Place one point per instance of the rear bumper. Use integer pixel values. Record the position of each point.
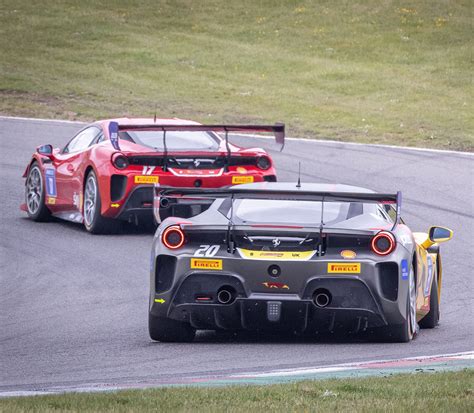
(139, 203)
(137, 200)
(354, 305)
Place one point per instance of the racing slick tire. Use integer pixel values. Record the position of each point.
(35, 195)
(405, 332)
(168, 330)
(94, 222)
(431, 320)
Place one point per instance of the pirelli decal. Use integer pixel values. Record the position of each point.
(141, 179)
(343, 268)
(204, 264)
(242, 179)
(276, 255)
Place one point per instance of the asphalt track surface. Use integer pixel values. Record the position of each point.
(73, 306)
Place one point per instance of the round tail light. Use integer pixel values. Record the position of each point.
(173, 237)
(383, 243)
(264, 162)
(120, 161)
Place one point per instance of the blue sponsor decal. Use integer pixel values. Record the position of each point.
(50, 175)
(405, 270)
(430, 276)
(113, 134)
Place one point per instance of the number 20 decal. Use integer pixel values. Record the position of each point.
(207, 250)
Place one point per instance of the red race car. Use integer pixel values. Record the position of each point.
(106, 173)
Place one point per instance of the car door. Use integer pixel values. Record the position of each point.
(66, 165)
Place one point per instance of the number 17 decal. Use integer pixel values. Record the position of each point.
(207, 250)
(148, 170)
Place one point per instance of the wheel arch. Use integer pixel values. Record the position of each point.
(33, 159)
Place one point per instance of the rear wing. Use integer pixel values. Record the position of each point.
(277, 129)
(280, 194)
(289, 195)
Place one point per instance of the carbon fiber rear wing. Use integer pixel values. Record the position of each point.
(289, 195)
(280, 194)
(277, 129)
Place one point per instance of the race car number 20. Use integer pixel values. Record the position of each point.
(207, 250)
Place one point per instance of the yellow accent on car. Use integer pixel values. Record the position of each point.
(140, 179)
(160, 300)
(205, 264)
(343, 268)
(276, 255)
(242, 179)
(51, 201)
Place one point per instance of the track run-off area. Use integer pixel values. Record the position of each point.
(73, 306)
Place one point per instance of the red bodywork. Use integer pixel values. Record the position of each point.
(71, 171)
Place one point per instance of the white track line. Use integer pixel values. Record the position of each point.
(40, 119)
(325, 141)
(235, 378)
(468, 355)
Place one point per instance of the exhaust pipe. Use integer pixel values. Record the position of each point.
(322, 298)
(226, 295)
(164, 203)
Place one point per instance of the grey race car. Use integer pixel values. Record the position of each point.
(300, 258)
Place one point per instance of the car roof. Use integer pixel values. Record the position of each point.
(319, 187)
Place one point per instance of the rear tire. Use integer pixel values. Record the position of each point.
(35, 195)
(431, 320)
(169, 330)
(94, 222)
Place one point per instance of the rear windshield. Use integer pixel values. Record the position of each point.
(308, 213)
(175, 141)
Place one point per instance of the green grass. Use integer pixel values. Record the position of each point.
(379, 71)
(421, 392)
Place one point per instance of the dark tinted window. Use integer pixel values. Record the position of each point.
(82, 140)
(175, 141)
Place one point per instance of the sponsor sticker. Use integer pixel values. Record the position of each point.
(50, 177)
(348, 254)
(405, 271)
(343, 268)
(203, 264)
(51, 201)
(242, 179)
(140, 179)
(275, 285)
(276, 255)
(241, 170)
(77, 200)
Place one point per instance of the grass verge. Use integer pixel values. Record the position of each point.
(380, 71)
(435, 392)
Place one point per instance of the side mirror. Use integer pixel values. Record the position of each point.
(45, 150)
(440, 234)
